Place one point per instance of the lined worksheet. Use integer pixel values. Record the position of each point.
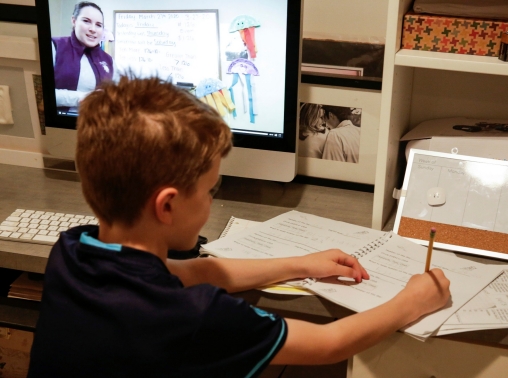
(389, 258)
(293, 234)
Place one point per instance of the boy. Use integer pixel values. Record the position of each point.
(115, 306)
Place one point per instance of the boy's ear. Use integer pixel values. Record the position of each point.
(164, 204)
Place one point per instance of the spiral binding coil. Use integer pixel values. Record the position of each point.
(371, 246)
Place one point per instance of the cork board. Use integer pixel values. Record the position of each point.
(465, 198)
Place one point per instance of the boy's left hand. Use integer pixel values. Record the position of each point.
(334, 262)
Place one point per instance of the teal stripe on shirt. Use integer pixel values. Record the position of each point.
(270, 353)
(89, 240)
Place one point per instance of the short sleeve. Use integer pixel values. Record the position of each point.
(234, 339)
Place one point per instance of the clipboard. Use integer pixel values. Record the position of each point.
(465, 198)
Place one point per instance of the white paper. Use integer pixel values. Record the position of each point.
(292, 234)
(390, 267)
(487, 310)
(389, 258)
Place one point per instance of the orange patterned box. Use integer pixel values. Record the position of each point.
(452, 34)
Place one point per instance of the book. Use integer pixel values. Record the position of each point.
(389, 258)
(27, 286)
(235, 225)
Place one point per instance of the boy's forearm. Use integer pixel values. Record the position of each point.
(236, 275)
(309, 344)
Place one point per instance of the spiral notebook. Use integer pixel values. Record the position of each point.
(389, 258)
(235, 225)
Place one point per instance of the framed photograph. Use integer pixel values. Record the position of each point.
(338, 133)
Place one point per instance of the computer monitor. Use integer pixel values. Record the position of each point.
(243, 58)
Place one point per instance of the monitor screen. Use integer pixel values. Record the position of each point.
(242, 58)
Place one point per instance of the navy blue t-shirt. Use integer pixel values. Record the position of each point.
(112, 311)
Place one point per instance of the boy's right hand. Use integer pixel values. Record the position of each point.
(427, 292)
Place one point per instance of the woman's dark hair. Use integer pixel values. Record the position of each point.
(84, 4)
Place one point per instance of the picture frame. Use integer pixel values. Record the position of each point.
(369, 101)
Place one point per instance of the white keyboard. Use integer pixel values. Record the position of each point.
(41, 227)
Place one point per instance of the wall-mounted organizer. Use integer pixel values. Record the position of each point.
(463, 197)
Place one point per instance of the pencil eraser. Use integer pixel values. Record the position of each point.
(436, 196)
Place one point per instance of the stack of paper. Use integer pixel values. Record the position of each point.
(26, 287)
(487, 310)
(389, 258)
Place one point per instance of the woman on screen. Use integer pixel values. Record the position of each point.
(79, 62)
(312, 132)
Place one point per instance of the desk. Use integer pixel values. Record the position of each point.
(258, 200)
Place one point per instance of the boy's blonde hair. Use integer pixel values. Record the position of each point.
(139, 135)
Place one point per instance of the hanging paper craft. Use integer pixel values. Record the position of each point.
(242, 70)
(236, 48)
(245, 25)
(214, 93)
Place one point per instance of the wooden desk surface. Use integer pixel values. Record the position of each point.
(38, 189)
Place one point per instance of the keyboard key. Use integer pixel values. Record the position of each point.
(13, 219)
(5, 234)
(54, 223)
(26, 236)
(43, 232)
(15, 235)
(45, 238)
(35, 221)
(45, 216)
(43, 222)
(32, 231)
(23, 224)
(54, 218)
(23, 230)
(6, 223)
(59, 214)
(53, 233)
(53, 228)
(8, 228)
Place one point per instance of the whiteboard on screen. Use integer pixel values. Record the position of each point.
(180, 46)
(465, 198)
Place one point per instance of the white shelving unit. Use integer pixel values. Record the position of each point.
(421, 85)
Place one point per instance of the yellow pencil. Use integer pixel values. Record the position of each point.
(429, 251)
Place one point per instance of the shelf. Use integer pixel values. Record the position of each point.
(451, 62)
